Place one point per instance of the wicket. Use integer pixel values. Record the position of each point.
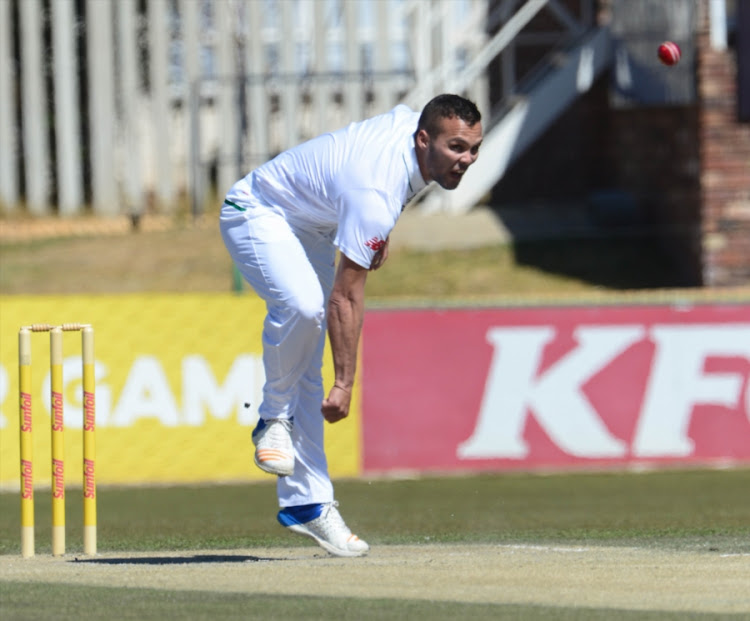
(57, 431)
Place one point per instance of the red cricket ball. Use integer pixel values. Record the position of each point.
(669, 53)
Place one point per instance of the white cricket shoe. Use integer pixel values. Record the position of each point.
(324, 523)
(274, 452)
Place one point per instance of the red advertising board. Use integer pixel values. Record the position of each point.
(493, 389)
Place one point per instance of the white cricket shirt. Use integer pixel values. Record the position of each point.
(353, 182)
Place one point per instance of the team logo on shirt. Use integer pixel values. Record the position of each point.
(375, 244)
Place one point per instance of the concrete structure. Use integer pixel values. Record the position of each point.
(175, 100)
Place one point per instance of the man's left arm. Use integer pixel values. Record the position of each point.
(346, 309)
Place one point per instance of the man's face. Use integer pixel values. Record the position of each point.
(448, 155)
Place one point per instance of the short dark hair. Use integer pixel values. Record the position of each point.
(447, 106)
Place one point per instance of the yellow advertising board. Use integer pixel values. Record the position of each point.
(178, 384)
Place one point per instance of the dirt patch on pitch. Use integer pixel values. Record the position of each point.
(624, 578)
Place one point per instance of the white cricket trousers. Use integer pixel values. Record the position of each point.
(293, 272)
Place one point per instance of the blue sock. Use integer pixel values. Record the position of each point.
(260, 426)
(299, 514)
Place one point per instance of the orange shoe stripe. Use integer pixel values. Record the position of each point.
(271, 454)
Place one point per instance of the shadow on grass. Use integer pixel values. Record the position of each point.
(608, 240)
(178, 560)
(613, 262)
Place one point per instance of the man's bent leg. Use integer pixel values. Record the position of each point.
(274, 262)
(311, 483)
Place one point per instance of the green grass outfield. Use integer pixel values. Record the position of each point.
(706, 511)
(702, 512)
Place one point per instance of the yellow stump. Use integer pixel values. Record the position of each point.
(58, 445)
(89, 442)
(26, 440)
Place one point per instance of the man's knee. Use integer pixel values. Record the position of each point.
(310, 311)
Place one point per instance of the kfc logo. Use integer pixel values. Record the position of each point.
(677, 382)
(556, 387)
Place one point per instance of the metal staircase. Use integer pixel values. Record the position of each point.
(524, 118)
(576, 56)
